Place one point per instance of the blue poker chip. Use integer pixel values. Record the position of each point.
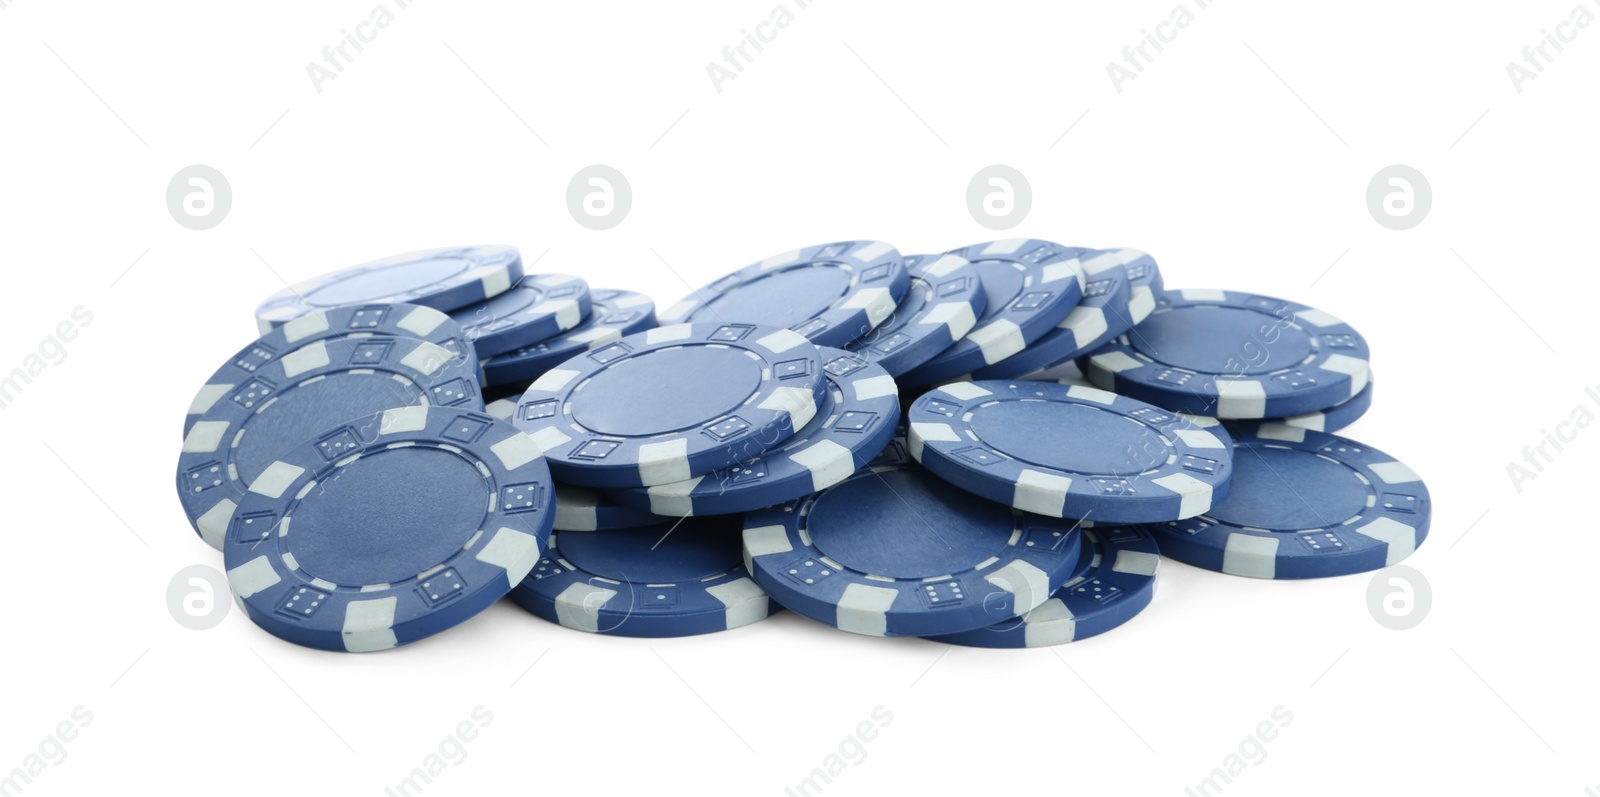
(1069, 451)
(1305, 504)
(389, 528)
(1145, 284)
(1331, 419)
(1029, 287)
(585, 509)
(672, 579)
(612, 315)
(830, 293)
(1102, 315)
(941, 307)
(538, 307)
(297, 396)
(854, 422)
(1115, 580)
(893, 551)
(364, 320)
(1234, 355)
(672, 403)
(444, 279)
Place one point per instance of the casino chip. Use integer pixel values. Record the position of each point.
(538, 307)
(1029, 286)
(831, 293)
(672, 403)
(364, 320)
(1329, 420)
(1305, 504)
(940, 309)
(389, 528)
(1114, 581)
(1234, 355)
(583, 509)
(1144, 279)
(612, 315)
(1102, 315)
(893, 551)
(854, 422)
(672, 579)
(1069, 451)
(444, 279)
(297, 396)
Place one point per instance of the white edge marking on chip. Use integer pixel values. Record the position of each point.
(957, 317)
(1041, 493)
(1395, 472)
(781, 259)
(422, 321)
(566, 312)
(369, 625)
(924, 432)
(597, 336)
(1141, 303)
(549, 438)
(1056, 272)
(878, 303)
(495, 279)
(502, 408)
(872, 251)
(573, 516)
(1241, 398)
(1004, 247)
(1199, 438)
(665, 462)
(680, 309)
(669, 333)
(298, 329)
(746, 602)
(630, 300)
(799, 403)
(553, 381)
(309, 357)
(764, 541)
(213, 525)
(1250, 556)
(403, 419)
(514, 551)
(204, 436)
(1050, 623)
(997, 340)
(427, 358)
(1115, 362)
(828, 462)
(207, 397)
(1400, 539)
(517, 450)
(1195, 495)
(1317, 318)
(864, 609)
(1203, 295)
(1028, 583)
(782, 341)
(1138, 563)
(1094, 394)
(1085, 323)
(965, 391)
(1354, 367)
(943, 265)
(875, 387)
(275, 479)
(674, 499)
(1278, 431)
(578, 606)
(253, 576)
(1100, 263)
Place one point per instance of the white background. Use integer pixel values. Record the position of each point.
(1240, 158)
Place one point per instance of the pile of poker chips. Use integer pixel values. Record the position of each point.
(992, 447)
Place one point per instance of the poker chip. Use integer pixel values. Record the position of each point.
(892, 551)
(584, 509)
(363, 320)
(443, 279)
(297, 396)
(538, 307)
(1029, 287)
(941, 307)
(830, 293)
(1102, 315)
(672, 403)
(612, 315)
(1115, 580)
(1305, 504)
(1144, 281)
(381, 531)
(1069, 451)
(1234, 355)
(672, 579)
(854, 421)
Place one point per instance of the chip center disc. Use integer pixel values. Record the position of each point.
(388, 516)
(653, 555)
(1221, 340)
(907, 524)
(382, 282)
(1002, 283)
(1282, 489)
(667, 390)
(781, 299)
(1076, 438)
(302, 413)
